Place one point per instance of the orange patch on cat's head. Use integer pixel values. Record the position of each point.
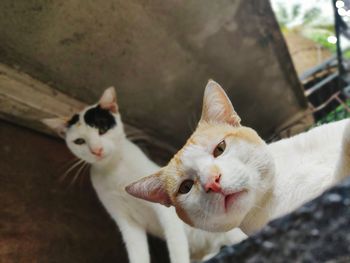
(170, 185)
(176, 160)
(208, 132)
(246, 134)
(175, 164)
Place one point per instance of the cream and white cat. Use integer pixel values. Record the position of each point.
(96, 135)
(226, 176)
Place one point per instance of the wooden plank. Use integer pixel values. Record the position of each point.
(25, 101)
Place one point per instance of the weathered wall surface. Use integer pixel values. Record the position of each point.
(159, 55)
(45, 220)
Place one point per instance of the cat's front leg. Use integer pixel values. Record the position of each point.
(135, 239)
(175, 235)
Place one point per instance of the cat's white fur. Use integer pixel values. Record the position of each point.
(121, 163)
(258, 182)
(305, 166)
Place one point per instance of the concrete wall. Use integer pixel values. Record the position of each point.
(159, 55)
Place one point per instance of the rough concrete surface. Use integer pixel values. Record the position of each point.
(159, 55)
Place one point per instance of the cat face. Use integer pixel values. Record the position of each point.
(92, 134)
(219, 175)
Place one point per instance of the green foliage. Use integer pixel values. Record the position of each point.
(338, 114)
(282, 16)
(322, 39)
(346, 54)
(307, 23)
(286, 17)
(295, 11)
(311, 15)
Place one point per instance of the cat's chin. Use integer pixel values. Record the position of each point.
(219, 224)
(233, 208)
(95, 160)
(103, 160)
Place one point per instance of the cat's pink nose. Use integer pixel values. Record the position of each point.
(213, 184)
(97, 151)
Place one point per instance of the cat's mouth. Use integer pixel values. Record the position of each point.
(97, 159)
(232, 197)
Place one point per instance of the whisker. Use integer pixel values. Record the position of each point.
(70, 161)
(70, 169)
(85, 169)
(66, 164)
(76, 176)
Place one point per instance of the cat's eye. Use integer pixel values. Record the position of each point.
(102, 131)
(219, 149)
(185, 186)
(79, 141)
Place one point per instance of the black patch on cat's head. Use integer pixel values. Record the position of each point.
(73, 120)
(100, 118)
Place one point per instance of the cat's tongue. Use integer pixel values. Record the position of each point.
(231, 198)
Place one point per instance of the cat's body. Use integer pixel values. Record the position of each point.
(304, 167)
(226, 176)
(320, 148)
(96, 135)
(135, 218)
(109, 184)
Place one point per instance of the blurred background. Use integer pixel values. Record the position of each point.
(284, 65)
(317, 35)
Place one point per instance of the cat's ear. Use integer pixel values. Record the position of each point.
(108, 100)
(59, 125)
(150, 188)
(217, 107)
